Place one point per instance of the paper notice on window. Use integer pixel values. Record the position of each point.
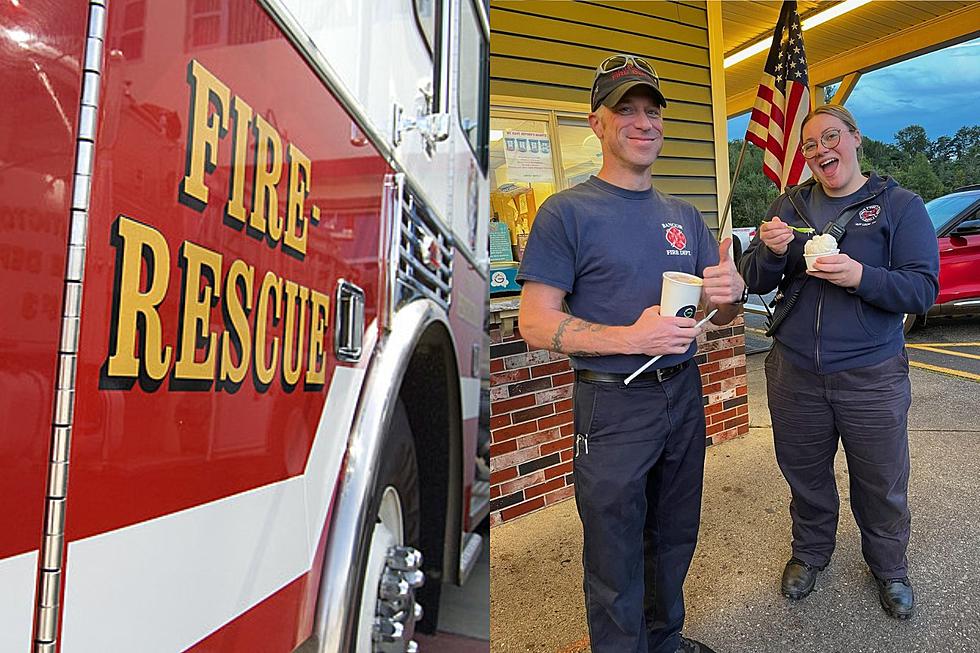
(528, 156)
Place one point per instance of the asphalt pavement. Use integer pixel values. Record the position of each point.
(732, 594)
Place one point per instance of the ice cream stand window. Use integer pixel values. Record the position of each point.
(523, 161)
(522, 175)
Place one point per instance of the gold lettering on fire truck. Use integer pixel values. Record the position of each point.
(232, 319)
(237, 306)
(298, 184)
(235, 209)
(205, 129)
(265, 368)
(197, 300)
(292, 345)
(213, 108)
(316, 369)
(268, 170)
(139, 249)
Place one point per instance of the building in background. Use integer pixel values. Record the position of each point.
(543, 58)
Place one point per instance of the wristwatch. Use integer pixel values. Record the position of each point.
(744, 298)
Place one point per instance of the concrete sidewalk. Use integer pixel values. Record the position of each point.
(464, 616)
(732, 593)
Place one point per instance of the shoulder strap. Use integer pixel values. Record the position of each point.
(783, 308)
(838, 228)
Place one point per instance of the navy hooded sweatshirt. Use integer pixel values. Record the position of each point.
(830, 328)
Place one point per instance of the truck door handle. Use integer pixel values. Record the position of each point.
(349, 322)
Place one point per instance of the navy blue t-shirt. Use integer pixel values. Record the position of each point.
(607, 248)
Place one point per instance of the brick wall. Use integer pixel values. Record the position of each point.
(531, 428)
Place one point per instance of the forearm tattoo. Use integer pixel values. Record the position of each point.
(578, 326)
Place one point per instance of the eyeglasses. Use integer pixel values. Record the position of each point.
(828, 139)
(618, 61)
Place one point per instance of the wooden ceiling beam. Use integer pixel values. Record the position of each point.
(846, 87)
(943, 31)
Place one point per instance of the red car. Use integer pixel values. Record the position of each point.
(956, 218)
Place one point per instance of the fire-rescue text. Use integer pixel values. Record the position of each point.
(268, 324)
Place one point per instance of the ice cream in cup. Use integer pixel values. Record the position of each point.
(822, 245)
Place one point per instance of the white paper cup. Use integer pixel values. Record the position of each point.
(680, 295)
(812, 258)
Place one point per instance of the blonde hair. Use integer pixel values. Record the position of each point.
(839, 112)
(836, 111)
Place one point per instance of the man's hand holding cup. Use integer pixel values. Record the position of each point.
(670, 328)
(658, 333)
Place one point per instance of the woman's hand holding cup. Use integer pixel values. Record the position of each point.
(776, 235)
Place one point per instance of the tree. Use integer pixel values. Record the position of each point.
(919, 177)
(966, 167)
(883, 158)
(967, 139)
(929, 168)
(942, 149)
(753, 192)
(912, 140)
(956, 159)
(829, 92)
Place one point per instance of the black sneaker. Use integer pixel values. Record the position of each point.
(692, 646)
(896, 597)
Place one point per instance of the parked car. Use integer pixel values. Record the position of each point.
(956, 218)
(741, 237)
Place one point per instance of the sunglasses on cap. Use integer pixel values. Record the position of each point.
(618, 61)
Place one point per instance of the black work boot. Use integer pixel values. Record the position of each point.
(798, 579)
(896, 596)
(692, 646)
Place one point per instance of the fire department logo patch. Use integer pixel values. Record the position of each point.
(675, 236)
(870, 213)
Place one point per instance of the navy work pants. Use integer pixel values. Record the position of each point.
(867, 410)
(639, 469)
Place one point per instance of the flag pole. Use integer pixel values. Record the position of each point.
(731, 192)
(779, 109)
(728, 205)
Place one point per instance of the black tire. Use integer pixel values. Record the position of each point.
(398, 470)
(911, 321)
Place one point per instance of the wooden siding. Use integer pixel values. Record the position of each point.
(548, 50)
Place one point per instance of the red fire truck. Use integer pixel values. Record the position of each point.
(244, 271)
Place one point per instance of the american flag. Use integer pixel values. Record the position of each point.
(782, 103)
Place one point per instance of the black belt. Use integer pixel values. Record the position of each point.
(659, 376)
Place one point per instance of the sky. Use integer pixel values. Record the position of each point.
(939, 90)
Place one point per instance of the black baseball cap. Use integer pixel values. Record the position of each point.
(618, 74)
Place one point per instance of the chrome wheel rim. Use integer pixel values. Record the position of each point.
(388, 609)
